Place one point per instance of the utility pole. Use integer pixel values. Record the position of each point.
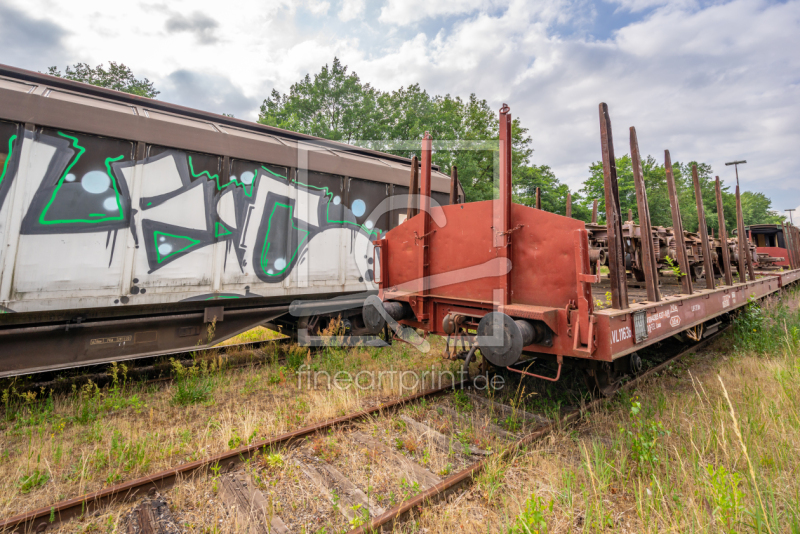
(736, 166)
(790, 215)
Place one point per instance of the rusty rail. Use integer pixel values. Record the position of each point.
(40, 519)
(402, 511)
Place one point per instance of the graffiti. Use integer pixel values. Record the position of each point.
(82, 190)
(9, 157)
(173, 225)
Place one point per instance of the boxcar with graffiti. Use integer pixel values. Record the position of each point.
(128, 224)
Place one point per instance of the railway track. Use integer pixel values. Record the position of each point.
(150, 370)
(351, 465)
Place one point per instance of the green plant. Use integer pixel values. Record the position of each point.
(675, 267)
(193, 384)
(409, 488)
(361, 516)
(643, 436)
(275, 461)
(462, 401)
(36, 479)
(532, 518)
(726, 497)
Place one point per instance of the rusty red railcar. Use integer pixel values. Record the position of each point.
(520, 278)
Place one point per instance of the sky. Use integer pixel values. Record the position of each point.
(710, 81)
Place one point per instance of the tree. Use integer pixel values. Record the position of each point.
(118, 77)
(335, 104)
(757, 209)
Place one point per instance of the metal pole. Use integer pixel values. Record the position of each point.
(787, 242)
(723, 237)
(790, 246)
(453, 185)
(708, 263)
(502, 206)
(422, 311)
(538, 199)
(413, 188)
(594, 212)
(677, 227)
(745, 262)
(645, 229)
(616, 253)
(790, 215)
(569, 204)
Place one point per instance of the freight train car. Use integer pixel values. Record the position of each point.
(128, 225)
(515, 282)
(772, 244)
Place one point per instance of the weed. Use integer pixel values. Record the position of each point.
(462, 401)
(36, 479)
(194, 384)
(726, 496)
(643, 436)
(274, 461)
(409, 488)
(361, 516)
(675, 267)
(532, 518)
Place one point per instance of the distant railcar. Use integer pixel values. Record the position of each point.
(128, 225)
(770, 245)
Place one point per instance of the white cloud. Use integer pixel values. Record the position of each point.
(351, 9)
(318, 7)
(403, 12)
(709, 82)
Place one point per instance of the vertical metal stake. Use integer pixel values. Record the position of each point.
(723, 237)
(708, 263)
(645, 228)
(413, 188)
(453, 185)
(616, 253)
(677, 227)
(569, 204)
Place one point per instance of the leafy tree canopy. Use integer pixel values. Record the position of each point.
(336, 104)
(756, 207)
(117, 77)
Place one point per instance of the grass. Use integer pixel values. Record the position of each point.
(59, 445)
(712, 445)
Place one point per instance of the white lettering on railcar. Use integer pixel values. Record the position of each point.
(621, 334)
(726, 301)
(695, 307)
(675, 320)
(108, 340)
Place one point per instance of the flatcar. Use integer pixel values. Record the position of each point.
(515, 282)
(128, 225)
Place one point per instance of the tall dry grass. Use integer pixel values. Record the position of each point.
(712, 445)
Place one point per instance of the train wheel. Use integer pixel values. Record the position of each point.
(635, 363)
(602, 380)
